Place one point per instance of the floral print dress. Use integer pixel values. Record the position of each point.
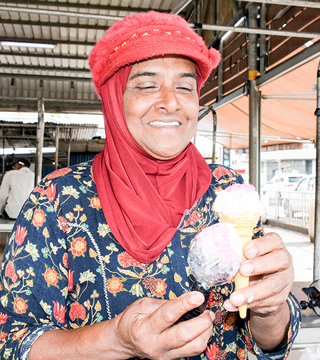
(63, 269)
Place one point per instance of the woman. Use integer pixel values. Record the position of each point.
(96, 265)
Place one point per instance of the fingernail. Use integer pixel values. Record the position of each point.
(196, 298)
(250, 299)
(212, 315)
(251, 251)
(229, 307)
(237, 299)
(246, 269)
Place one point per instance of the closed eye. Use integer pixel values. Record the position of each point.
(146, 87)
(185, 88)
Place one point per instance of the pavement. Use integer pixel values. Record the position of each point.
(302, 252)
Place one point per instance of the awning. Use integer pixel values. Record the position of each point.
(288, 107)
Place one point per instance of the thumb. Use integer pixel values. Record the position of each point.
(171, 311)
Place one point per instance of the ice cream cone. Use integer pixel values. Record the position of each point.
(244, 224)
(239, 205)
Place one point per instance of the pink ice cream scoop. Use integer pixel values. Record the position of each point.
(214, 259)
(215, 255)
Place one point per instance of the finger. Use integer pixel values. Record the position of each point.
(262, 306)
(263, 245)
(271, 303)
(275, 261)
(271, 291)
(189, 337)
(171, 311)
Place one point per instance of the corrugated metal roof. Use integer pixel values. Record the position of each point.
(61, 75)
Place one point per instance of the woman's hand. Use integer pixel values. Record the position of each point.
(145, 328)
(271, 273)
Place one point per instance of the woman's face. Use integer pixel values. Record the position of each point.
(161, 105)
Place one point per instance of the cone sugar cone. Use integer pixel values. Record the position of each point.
(244, 224)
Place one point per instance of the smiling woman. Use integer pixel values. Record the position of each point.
(161, 105)
(109, 239)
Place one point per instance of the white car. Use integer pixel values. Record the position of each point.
(298, 201)
(283, 182)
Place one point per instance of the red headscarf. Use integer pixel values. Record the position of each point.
(143, 199)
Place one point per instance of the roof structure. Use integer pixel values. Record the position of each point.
(288, 106)
(60, 75)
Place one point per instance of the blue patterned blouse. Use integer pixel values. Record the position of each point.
(63, 269)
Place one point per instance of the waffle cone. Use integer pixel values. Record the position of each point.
(244, 224)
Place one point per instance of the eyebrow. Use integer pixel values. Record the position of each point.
(147, 73)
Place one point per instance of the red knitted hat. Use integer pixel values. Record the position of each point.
(146, 35)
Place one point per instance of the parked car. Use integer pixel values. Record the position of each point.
(283, 182)
(297, 202)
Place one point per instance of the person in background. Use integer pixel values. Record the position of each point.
(16, 187)
(96, 266)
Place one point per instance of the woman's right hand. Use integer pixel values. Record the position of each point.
(145, 328)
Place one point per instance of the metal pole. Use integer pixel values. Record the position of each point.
(56, 155)
(183, 4)
(220, 74)
(69, 147)
(254, 120)
(214, 135)
(3, 148)
(263, 41)
(39, 141)
(316, 268)
(308, 3)
(251, 30)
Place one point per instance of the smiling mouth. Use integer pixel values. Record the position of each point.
(163, 124)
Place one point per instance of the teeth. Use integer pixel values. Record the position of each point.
(161, 123)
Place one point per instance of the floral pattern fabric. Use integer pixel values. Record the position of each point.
(63, 269)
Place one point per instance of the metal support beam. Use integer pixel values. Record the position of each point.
(214, 135)
(39, 141)
(3, 158)
(220, 74)
(54, 24)
(181, 6)
(297, 34)
(254, 104)
(46, 77)
(316, 267)
(250, 30)
(69, 147)
(303, 57)
(56, 155)
(299, 3)
(49, 56)
(50, 41)
(61, 13)
(45, 68)
(298, 60)
(263, 40)
(85, 6)
(235, 95)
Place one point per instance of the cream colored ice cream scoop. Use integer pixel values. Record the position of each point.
(239, 204)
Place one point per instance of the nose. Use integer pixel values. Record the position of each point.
(168, 100)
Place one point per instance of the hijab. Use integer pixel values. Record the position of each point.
(143, 199)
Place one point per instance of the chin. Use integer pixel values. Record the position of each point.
(166, 155)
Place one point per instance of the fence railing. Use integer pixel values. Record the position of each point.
(292, 207)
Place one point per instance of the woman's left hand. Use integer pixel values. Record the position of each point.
(270, 269)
